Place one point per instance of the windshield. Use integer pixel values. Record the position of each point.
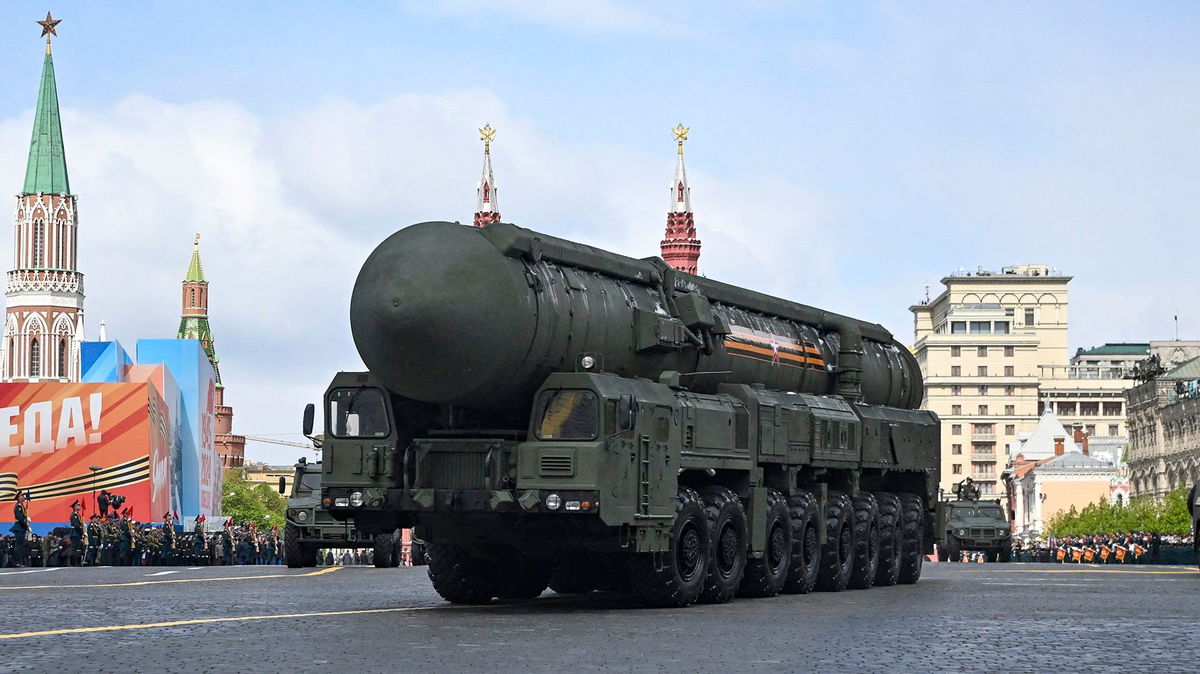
(309, 481)
(358, 413)
(567, 415)
(993, 512)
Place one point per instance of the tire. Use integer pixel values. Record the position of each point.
(806, 550)
(766, 575)
(519, 577)
(953, 549)
(727, 545)
(866, 541)
(912, 537)
(384, 549)
(418, 553)
(837, 555)
(675, 578)
(889, 539)
(297, 555)
(458, 576)
(575, 577)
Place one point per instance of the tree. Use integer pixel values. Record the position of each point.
(1168, 516)
(251, 502)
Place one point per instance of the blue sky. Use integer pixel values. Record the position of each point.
(842, 154)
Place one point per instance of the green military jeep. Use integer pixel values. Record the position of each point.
(972, 524)
(310, 527)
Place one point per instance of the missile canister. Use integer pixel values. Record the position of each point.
(450, 314)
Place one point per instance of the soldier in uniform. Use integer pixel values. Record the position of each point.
(166, 549)
(227, 542)
(93, 541)
(20, 530)
(199, 541)
(127, 543)
(78, 536)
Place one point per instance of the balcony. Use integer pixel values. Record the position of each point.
(44, 280)
(983, 437)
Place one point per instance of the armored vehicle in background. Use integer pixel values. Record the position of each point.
(309, 527)
(545, 413)
(972, 524)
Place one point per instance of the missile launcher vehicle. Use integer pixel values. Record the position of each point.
(546, 413)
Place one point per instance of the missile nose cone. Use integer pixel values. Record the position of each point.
(439, 315)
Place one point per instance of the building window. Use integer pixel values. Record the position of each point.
(983, 390)
(1090, 429)
(1010, 390)
(1010, 429)
(955, 370)
(983, 409)
(956, 449)
(1089, 409)
(955, 351)
(981, 327)
(1009, 371)
(1114, 429)
(955, 390)
(1010, 410)
(1112, 409)
(62, 357)
(35, 358)
(39, 240)
(956, 429)
(1009, 351)
(981, 351)
(982, 370)
(958, 327)
(957, 469)
(983, 429)
(1029, 317)
(956, 409)
(1001, 328)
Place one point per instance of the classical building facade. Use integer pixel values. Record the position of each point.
(681, 247)
(43, 324)
(1164, 431)
(193, 324)
(487, 198)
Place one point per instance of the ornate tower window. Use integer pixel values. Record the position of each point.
(62, 357)
(35, 358)
(39, 240)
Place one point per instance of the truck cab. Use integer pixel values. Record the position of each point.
(969, 523)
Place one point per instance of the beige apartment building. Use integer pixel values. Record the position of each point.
(993, 349)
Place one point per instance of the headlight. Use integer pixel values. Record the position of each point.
(587, 362)
(302, 515)
(356, 499)
(553, 501)
(341, 502)
(961, 532)
(1003, 533)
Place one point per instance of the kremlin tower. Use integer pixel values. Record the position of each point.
(681, 248)
(487, 206)
(43, 324)
(193, 324)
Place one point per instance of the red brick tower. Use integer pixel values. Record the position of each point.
(487, 204)
(43, 324)
(681, 248)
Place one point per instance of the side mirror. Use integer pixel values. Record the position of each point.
(282, 484)
(625, 411)
(309, 412)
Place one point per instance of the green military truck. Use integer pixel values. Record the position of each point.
(309, 527)
(969, 523)
(545, 413)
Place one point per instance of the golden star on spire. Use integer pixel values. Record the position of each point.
(196, 245)
(681, 133)
(48, 29)
(486, 134)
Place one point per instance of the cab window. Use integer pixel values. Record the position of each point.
(358, 413)
(564, 414)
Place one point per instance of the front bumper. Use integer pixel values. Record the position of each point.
(515, 501)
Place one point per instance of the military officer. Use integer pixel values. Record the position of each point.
(78, 535)
(93, 541)
(20, 529)
(127, 543)
(199, 542)
(227, 542)
(166, 550)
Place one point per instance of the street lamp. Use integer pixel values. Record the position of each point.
(95, 509)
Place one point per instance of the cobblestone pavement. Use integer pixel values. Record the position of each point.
(959, 617)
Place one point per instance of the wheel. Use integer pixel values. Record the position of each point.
(418, 553)
(297, 555)
(806, 551)
(766, 575)
(912, 537)
(727, 545)
(953, 548)
(458, 576)
(519, 577)
(382, 557)
(574, 577)
(396, 551)
(837, 555)
(675, 578)
(866, 541)
(1004, 555)
(889, 539)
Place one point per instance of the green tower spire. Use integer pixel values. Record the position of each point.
(193, 324)
(47, 168)
(195, 270)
